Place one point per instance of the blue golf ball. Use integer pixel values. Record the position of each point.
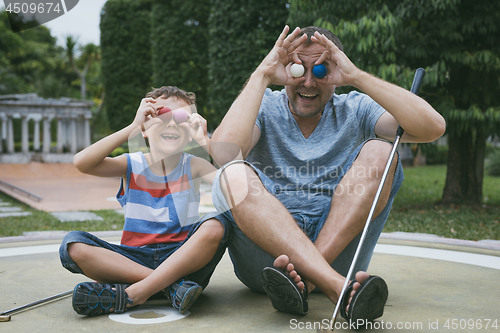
(319, 71)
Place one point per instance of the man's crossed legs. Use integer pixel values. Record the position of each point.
(266, 234)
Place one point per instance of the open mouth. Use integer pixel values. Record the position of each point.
(308, 96)
(170, 136)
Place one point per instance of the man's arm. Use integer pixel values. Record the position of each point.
(238, 126)
(419, 120)
(417, 117)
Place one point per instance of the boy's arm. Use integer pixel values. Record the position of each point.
(202, 169)
(94, 159)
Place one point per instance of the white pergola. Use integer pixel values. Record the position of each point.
(73, 128)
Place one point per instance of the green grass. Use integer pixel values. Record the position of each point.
(43, 221)
(414, 210)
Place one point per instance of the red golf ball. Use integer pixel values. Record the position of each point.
(163, 110)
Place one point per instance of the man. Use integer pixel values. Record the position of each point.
(313, 165)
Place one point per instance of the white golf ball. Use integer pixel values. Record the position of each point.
(297, 70)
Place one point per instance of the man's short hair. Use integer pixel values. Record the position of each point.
(309, 31)
(170, 91)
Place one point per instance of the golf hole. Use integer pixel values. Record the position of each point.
(148, 315)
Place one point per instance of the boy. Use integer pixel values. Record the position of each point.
(162, 241)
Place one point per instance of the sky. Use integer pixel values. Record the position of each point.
(81, 22)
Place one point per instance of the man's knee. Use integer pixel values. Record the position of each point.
(373, 157)
(212, 230)
(238, 181)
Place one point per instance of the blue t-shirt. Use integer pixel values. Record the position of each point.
(305, 171)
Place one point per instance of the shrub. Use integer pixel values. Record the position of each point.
(493, 164)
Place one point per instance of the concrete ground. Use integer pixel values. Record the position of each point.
(434, 285)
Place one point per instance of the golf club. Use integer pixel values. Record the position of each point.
(415, 88)
(5, 316)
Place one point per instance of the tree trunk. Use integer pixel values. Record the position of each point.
(464, 177)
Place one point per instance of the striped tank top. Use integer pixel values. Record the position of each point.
(157, 209)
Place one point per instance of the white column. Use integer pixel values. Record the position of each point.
(2, 122)
(46, 135)
(72, 135)
(60, 135)
(10, 135)
(24, 134)
(36, 136)
(86, 138)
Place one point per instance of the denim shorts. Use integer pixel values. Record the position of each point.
(249, 260)
(150, 256)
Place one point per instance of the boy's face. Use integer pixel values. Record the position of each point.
(169, 136)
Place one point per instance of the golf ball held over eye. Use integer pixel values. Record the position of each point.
(180, 116)
(163, 110)
(297, 70)
(319, 71)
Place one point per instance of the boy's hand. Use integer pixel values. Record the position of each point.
(145, 113)
(197, 127)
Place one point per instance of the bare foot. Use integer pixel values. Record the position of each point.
(283, 263)
(360, 278)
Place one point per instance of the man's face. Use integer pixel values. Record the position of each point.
(310, 96)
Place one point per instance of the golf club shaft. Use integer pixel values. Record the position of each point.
(45, 300)
(415, 88)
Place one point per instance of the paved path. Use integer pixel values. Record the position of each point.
(432, 282)
(422, 292)
(63, 188)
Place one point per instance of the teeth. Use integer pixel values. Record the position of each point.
(169, 136)
(308, 95)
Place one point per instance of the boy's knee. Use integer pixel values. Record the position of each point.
(77, 251)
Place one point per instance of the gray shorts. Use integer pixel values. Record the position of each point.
(249, 260)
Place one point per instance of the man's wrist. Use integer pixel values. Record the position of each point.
(260, 79)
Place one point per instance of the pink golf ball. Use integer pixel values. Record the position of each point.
(180, 116)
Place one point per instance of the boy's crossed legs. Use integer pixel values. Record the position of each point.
(108, 263)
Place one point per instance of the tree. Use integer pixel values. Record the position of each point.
(26, 58)
(456, 41)
(241, 33)
(126, 58)
(180, 47)
(89, 53)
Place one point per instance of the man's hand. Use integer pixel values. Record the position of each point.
(341, 71)
(274, 65)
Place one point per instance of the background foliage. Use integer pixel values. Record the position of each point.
(180, 47)
(241, 33)
(126, 58)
